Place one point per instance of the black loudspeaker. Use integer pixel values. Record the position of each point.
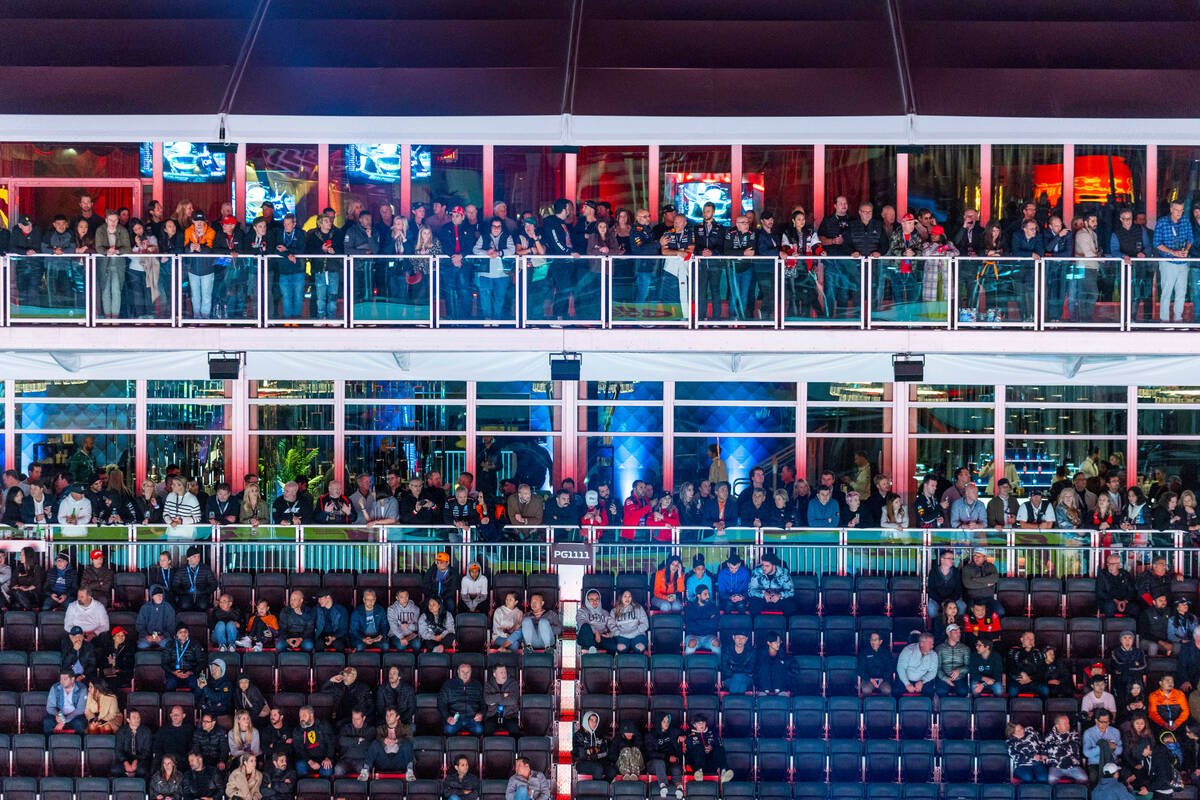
(224, 368)
(564, 148)
(228, 148)
(564, 368)
(911, 370)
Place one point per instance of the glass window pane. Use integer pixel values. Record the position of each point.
(1173, 458)
(733, 390)
(944, 179)
(280, 459)
(291, 390)
(623, 419)
(943, 457)
(734, 419)
(187, 390)
(285, 174)
(624, 390)
(1168, 394)
(79, 416)
(1067, 394)
(198, 456)
(64, 389)
(842, 419)
(1178, 176)
(838, 455)
(1026, 173)
(944, 393)
(616, 174)
(862, 174)
(291, 418)
(373, 180)
(1108, 177)
(406, 418)
(1180, 422)
(517, 418)
(1065, 421)
(187, 417)
(1040, 457)
(780, 176)
(621, 460)
(527, 178)
(849, 392)
(741, 454)
(71, 160)
(56, 449)
(952, 420)
(516, 390)
(411, 455)
(525, 459)
(406, 390)
(455, 171)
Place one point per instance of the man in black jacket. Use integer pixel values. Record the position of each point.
(441, 581)
(1027, 669)
(457, 241)
(174, 738)
(276, 737)
(968, 239)
(709, 240)
(740, 243)
(286, 243)
(1152, 628)
(354, 737)
(1155, 581)
(865, 234)
(297, 624)
(312, 744)
(194, 583)
(134, 750)
(1115, 590)
(460, 703)
(211, 742)
(201, 781)
(462, 783)
(181, 661)
(350, 696)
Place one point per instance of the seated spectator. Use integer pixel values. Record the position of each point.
(664, 758)
(1157, 775)
(461, 783)
(1098, 698)
(312, 743)
(180, 506)
(264, 628)
(738, 664)
(1037, 514)
(245, 782)
(1152, 627)
(501, 696)
(102, 713)
(592, 625)
(97, 578)
(1167, 705)
(181, 661)
(175, 738)
(436, 627)
(354, 738)
(1128, 664)
(954, 658)
(441, 581)
(703, 752)
(75, 508)
(333, 508)
(669, 586)
(541, 626)
(116, 658)
(211, 742)
(1132, 703)
(626, 756)
(1025, 750)
(227, 625)
(699, 577)
(87, 614)
(249, 698)
(276, 736)
(253, 509)
(133, 748)
(1189, 744)
(1155, 581)
(349, 695)
(194, 584)
(161, 574)
(525, 784)
(947, 616)
(292, 508)
(1181, 624)
(629, 624)
(590, 751)
(771, 588)
(216, 693)
(1026, 669)
(1056, 673)
(771, 671)
(987, 670)
(700, 624)
(979, 578)
(981, 624)
(66, 705)
(201, 781)
(1102, 744)
(60, 585)
(733, 585)
(279, 782)
(460, 703)
(473, 589)
(166, 783)
(396, 696)
(79, 655)
(368, 625)
(221, 508)
(916, 668)
(1188, 675)
(1061, 749)
(332, 626)
(29, 577)
(243, 736)
(297, 627)
(155, 620)
(403, 615)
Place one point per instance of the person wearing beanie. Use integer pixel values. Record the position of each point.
(60, 585)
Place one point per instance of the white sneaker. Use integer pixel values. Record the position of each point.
(242, 642)
(698, 774)
(662, 790)
(679, 793)
(409, 775)
(726, 775)
(591, 651)
(364, 775)
(257, 648)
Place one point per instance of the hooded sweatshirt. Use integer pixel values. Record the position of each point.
(630, 622)
(586, 745)
(156, 617)
(473, 589)
(402, 619)
(594, 615)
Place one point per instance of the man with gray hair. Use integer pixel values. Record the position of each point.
(916, 668)
(291, 508)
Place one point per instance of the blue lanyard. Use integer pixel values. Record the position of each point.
(179, 653)
(192, 572)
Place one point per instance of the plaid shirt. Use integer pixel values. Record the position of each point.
(1172, 235)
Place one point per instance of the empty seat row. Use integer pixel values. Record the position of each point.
(491, 756)
(385, 789)
(63, 788)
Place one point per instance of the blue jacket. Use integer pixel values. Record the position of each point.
(823, 515)
(56, 698)
(1061, 246)
(358, 621)
(731, 583)
(332, 621)
(1028, 248)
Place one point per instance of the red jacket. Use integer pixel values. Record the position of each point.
(633, 515)
(590, 528)
(665, 521)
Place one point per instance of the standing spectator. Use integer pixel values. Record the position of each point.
(313, 745)
(403, 615)
(525, 784)
(436, 627)
(369, 625)
(460, 703)
(65, 706)
(916, 668)
(592, 624)
(180, 506)
(1025, 750)
(987, 670)
(704, 752)
(501, 696)
(292, 508)
(195, 583)
(297, 625)
(954, 660)
(181, 661)
(629, 624)
(968, 513)
(541, 626)
(332, 626)
(1172, 240)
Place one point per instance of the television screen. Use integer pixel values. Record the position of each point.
(381, 163)
(184, 162)
(259, 192)
(690, 191)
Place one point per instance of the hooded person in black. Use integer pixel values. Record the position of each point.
(625, 753)
(664, 757)
(589, 750)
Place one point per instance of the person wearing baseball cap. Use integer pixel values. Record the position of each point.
(1036, 514)
(457, 240)
(98, 578)
(75, 508)
(594, 518)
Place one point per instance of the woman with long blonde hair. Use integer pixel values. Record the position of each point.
(254, 508)
(183, 214)
(243, 737)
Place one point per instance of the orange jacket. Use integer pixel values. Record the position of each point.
(1168, 709)
(206, 240)
(662, 587)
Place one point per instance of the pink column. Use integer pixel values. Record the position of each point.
(985, 183)
(322, 179)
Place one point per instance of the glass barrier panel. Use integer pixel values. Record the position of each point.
(821, 290)
(1160, 291)
(563, 289)
(1083, 292)
(129, 287)
(219, 288)
(392, 289)
(740, 289)
(47, 288)
(287, 287)
(481, 288)
(996, 291)
(910, 291)
(650, 290)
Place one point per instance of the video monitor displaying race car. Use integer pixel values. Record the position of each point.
(184, 162)
(691, 190)
(381, 163)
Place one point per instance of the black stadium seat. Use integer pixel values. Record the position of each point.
(879, 717)
(596, 673)
(666, 633)
(739, 757)
(883, 760)
(845, 717)
(129, 789)
(808, 672)
(773, 716)
(916, 761)
(915, 717)
(961, 791)
(537, 715)
(666, 673)
(991, 715)
(29, 753)
(838, 635)
(631, 673)
(1051, 632)
(20, 630)
(958, 761)
(1045, 597)
(701, 671)
(845, 760)
(773, 758)
(14, 671)
(804, 635)
(808, 760)
(806, 593)
(919, 791)
(841, 676)
(1084, 637)
(992, 762)
(837, 595)
(905, 596)
(99, 754)
(92, 788)
(66, 755)
(1013, 595)
(737, 716)
(870, 595)
(26, 788)
(56, 788)
(1081, 597)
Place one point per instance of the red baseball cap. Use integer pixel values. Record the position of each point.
(229, 220)
(458, 210)
(119, 629)
(96, 554)
(908, 218)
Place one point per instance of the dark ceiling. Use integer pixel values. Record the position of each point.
(1070, 58)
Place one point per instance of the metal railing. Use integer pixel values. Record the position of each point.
(949, 293)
